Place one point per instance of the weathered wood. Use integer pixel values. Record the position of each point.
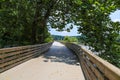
(92, 76)
(15, 64)
(14, 61)
(17, 56)
(94, 64)
(85, 70)
(10, 57)
(110, 71)
(96, 72)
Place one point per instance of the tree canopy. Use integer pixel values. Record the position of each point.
(27, 22)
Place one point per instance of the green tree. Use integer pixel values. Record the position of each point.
(25, 22)
(70, 39)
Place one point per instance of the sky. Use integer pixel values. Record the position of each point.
(73, 32)
(115, 16)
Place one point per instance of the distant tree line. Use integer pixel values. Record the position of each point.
(57, 37)
(70, 39)
(67, 38)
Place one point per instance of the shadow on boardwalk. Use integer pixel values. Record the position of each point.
(59, 53)
(57, 64)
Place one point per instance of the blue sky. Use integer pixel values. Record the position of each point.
(114, 17)
(73, 32)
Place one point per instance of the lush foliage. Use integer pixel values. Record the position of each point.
(95, 24)
(48, 38)
(67, 38)
(100, 32)
(27, 22)
(19, 23)
(70, 39)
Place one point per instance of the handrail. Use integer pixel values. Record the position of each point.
(94, 67)
(10, 57)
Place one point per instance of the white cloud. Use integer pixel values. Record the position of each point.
(73, 32)
(115, 16)
(116, 20)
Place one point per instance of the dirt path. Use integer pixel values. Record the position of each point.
(57, 64)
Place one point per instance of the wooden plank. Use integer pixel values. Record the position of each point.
(16, 56)
(10, 54)
(31, 52)
(4, 50)
(85, 70)
(92, 75)
(13, 65)
(13, 61)
(109, 70)
(95, 70)
(18, 52)
(19, 58)
(95, 60)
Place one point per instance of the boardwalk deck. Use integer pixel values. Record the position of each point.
(58, 63)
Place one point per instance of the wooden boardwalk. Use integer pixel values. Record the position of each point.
(59, 63)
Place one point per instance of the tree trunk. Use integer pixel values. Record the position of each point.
(44, 21)
(34, 24)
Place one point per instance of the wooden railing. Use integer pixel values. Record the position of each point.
(94, 67)
(10, 57)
